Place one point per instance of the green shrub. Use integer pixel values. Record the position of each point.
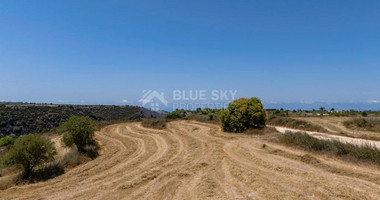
(92, 151)
(79, 132)
(28, 152)
(243, 114)
(5, 141)
(48, 171)
(211, 117)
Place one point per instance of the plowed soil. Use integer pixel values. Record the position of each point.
(193, 160)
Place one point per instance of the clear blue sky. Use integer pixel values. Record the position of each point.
(100, 52)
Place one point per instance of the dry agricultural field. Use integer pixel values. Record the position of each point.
(194, 160)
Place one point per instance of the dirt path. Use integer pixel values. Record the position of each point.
(61, 149)
(326, 136)
(193, 160)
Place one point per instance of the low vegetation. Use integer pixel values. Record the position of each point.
(296, 124)
(80, 131)
(260, 131)
(44, 172)
(362, 123)
(21, 119)
(29, 152)
(73, 159)
(321, 112)
(177, 114)
(47, 171)
(35, 155)
(243, 114)
(157, 123)
(203, 115)
(211, 116)
(5, 141)
(343, 150)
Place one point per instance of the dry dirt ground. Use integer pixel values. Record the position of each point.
(193, 160)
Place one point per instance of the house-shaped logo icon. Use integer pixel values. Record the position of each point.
(154, 98)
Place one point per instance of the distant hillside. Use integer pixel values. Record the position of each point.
(21, 118)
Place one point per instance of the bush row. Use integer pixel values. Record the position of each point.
(367, 124)
(309, 143)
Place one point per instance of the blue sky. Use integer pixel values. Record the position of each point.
(103, 52)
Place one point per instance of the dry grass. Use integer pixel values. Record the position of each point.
(73, 159)
(46, 172)
(157, 123)
(309, 143)
(336, 126)
(296, 124)
(366, 124)
(261, 131)
(194, 160)
(9, 177)
(7, 182)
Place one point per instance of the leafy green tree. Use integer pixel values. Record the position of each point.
(79, 132)
(28, 152)
(243, 114)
